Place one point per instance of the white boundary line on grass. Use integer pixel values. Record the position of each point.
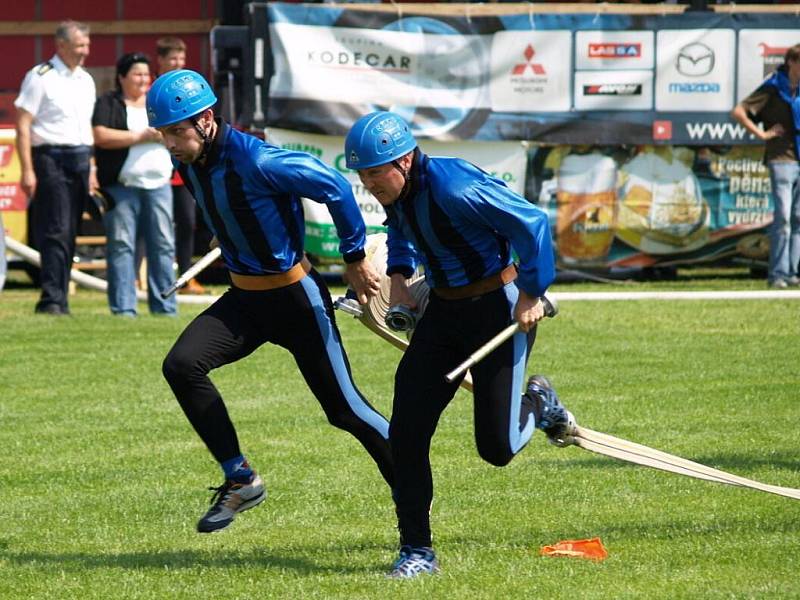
(32, 256)
(667, 295)
(606, 296)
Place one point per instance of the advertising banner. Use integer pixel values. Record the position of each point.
(608, 206)
(505, 160)
(654, 205)
(547, 78)
(13, 201)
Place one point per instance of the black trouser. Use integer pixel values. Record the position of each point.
(298, 317)
(185, 215)
(449, 331)
(62, 186)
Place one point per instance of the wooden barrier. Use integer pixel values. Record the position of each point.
(169, 27)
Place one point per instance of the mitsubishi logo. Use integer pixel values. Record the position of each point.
(695, 60)
(519, 69)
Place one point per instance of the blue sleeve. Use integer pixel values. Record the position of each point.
(526, 226)
(402, 258)
(300, 174)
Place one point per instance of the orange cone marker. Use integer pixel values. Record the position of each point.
(592, 549)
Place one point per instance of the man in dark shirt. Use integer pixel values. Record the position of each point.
(776, 104)
(250, 195)
(461, 224)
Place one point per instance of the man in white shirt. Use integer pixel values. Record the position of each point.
(54, 140)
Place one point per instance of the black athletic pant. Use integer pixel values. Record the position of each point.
(62, 186)
(449, 331)
(298, 317)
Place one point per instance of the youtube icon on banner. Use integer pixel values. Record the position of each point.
(662, 130)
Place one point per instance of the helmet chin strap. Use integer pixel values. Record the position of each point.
(204, 136)
(406, 175)
(406, 179)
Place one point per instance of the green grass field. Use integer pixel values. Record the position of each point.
(102, 479)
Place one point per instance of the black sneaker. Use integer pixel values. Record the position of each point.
(230, 498)
(51, 309)
(551, 416)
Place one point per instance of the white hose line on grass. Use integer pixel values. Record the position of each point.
(666, 295)
(31, 256)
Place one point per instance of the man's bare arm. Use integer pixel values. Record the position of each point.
(28, 179)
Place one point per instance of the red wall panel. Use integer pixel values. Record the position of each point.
(23, 51)
(18, 11)
(49, 46)
(79, 10)
(8, 113)
(174, 9)
(103, 51)
(20, 51)
(147, 43)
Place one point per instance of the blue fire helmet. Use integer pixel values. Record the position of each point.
(178, 95)
(376, 139)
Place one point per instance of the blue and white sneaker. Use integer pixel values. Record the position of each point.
(555, 420)
(230, 498)
(413, 562)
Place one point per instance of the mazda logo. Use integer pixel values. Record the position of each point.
(695, 60)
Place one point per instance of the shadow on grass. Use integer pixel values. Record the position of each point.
(341, 562)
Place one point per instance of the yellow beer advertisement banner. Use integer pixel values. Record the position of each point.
(653, 205)
(609, 207)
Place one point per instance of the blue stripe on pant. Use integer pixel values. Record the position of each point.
(447, 333)
(338, 360)
(299, 318)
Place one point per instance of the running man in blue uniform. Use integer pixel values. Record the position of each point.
(250, 195)
(460, 223)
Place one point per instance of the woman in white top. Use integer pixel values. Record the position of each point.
(133, 171)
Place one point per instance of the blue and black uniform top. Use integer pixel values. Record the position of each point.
(461, 223)
(250, 194)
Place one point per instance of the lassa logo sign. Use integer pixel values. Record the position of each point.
(519, 69)
(615, 50)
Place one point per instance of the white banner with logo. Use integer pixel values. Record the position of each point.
(504, 75)
(505, 160)
(380, 67)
